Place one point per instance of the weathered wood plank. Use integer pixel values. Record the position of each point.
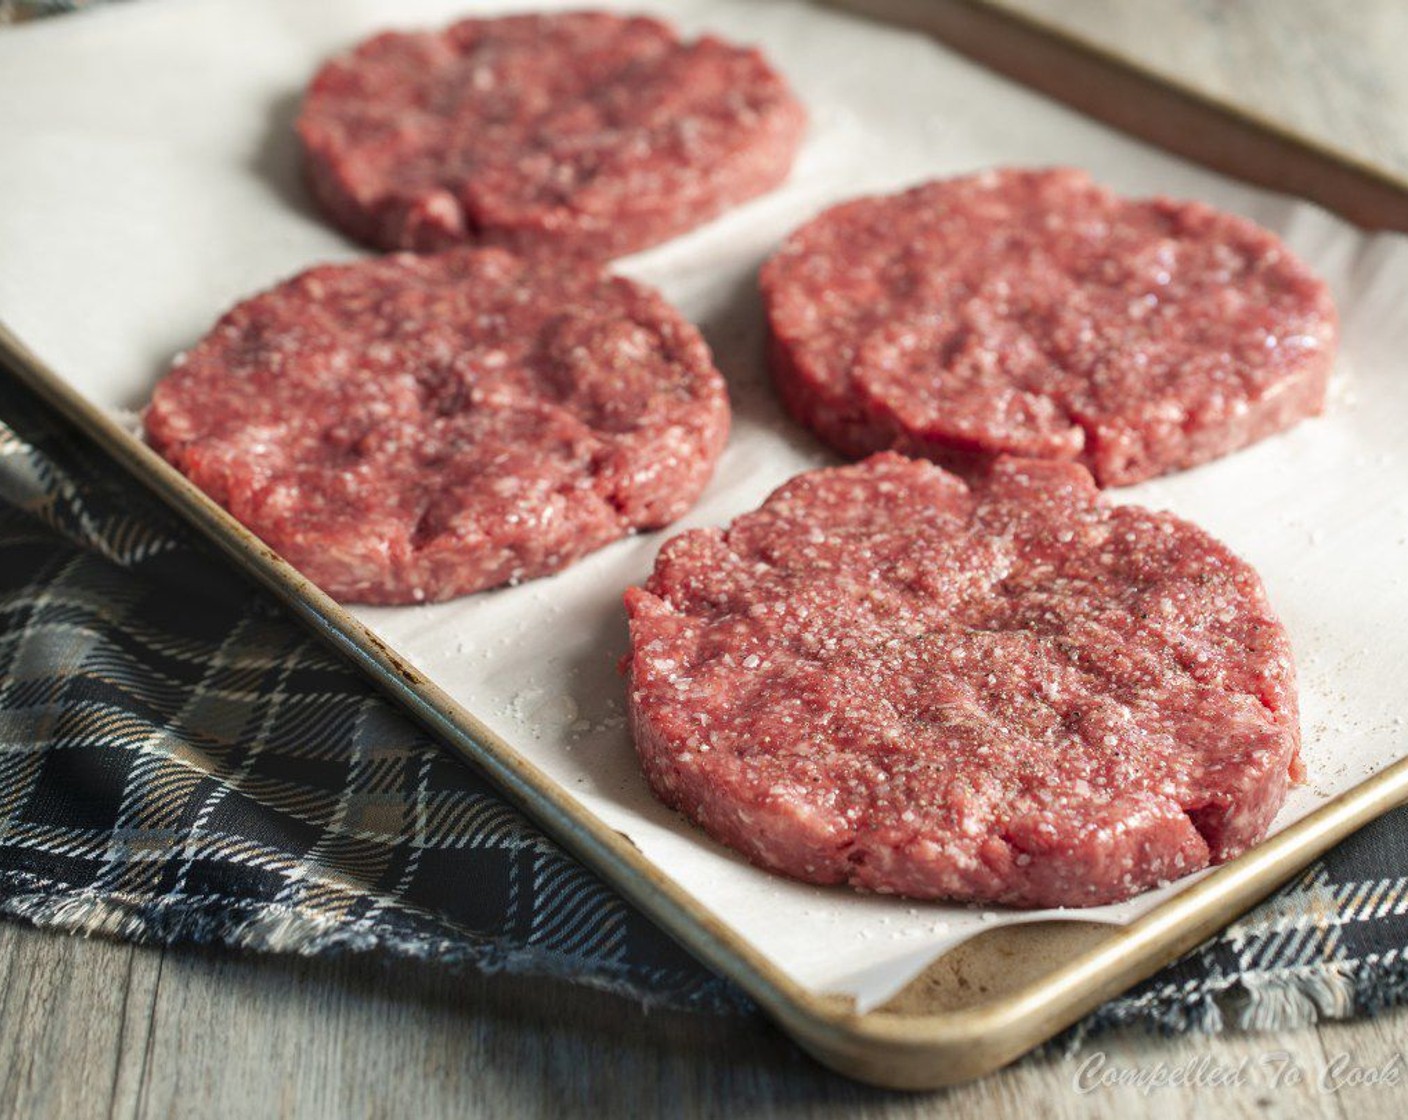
(63, 1007)
(95, 1028)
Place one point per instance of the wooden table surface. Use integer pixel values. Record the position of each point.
(94, 1028)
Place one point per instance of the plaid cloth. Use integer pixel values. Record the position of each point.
(180, 762)
(15, 11)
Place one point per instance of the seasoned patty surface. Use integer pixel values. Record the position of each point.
(1006, 691)
(415, 428)
(589, 133)
(1035, 313)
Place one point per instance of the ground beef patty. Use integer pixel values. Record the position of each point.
(586, 132)
(1035, 313)
(415, 428)
(1008, 691)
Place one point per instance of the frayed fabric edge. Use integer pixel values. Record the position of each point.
(273, 930)
(1292, 997)
(1266, 1001)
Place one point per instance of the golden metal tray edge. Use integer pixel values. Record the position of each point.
(979, 1007)
(1137, 100)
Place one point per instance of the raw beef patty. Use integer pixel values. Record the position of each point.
(590, 133)
(415, 428)
(1035, 313)
(1005, 691)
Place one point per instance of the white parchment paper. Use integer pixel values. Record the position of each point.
(149, 179)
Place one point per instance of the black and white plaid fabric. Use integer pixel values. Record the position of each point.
(180, 762)
(14, 11)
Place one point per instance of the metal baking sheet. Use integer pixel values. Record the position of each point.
(145, 199)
